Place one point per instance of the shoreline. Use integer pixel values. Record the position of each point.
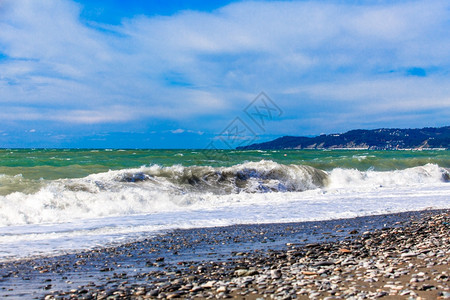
(253, 261)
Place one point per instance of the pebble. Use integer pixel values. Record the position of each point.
(275, 274)
(208, 284)
(404, 261)
(222, 288)
(409, 254)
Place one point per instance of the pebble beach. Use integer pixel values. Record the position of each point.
(233, 149)
(396, 256)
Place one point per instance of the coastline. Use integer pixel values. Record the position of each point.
(402, 254)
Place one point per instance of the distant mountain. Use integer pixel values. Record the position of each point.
(377, 139)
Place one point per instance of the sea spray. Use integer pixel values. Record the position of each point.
(157, 189)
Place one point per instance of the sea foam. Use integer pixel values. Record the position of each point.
(156, 189)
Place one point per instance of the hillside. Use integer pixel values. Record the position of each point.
(376, 139)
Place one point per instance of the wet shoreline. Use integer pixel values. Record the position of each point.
(200, 262)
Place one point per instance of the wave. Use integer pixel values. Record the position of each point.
(251, 177)
(157, 189)
(427, 174)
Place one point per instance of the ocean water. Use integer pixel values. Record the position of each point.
(59, 201)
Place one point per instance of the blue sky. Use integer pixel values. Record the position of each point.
(178, 74)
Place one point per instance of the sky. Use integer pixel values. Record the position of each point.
(217, 74)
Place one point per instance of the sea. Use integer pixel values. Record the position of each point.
(57, 201)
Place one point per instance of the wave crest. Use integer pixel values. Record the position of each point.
(158, 189)
(427, 174)
(251, 177)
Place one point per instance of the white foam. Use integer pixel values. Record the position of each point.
(352, 178)
(163, 189)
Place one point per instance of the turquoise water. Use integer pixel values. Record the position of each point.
(53, 164)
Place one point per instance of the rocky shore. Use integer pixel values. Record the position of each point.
(399, 256)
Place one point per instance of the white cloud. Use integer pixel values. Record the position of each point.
(179, 130)
(196, 64)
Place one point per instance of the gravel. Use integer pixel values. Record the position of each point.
(403, 256)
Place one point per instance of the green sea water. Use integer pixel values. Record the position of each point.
(51, 164)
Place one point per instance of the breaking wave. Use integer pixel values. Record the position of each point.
(156, 189)
(252, 177)
(427, 174)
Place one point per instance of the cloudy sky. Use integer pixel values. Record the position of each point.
(176, 74)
